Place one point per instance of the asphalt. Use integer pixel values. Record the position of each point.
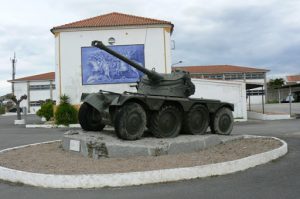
(278, 179)
(278, 108)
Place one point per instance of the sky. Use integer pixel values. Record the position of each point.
(255, 33)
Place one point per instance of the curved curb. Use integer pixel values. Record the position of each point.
(139, 178)
(49, 126)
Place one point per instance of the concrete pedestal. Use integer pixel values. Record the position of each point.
(17, 122)
(105, 144)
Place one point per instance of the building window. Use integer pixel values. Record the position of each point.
(35, 103)
(255, 92)
(233, 76)
(229, 76)
(199, 76)
(39, 103)
(213, 76)
(41, 87)
(255, 76)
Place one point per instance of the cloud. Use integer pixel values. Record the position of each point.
(258, 35)
(4, 87)
(249, 33)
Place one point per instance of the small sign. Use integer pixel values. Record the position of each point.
(74, 145)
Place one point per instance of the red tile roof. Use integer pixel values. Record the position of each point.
(219, 69)
(293, 78)
(112, 19)
(44, 76)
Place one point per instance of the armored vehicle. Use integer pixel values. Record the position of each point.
(161, 104)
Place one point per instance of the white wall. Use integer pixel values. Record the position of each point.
(68, 56)
(227, 91)
(35, 95)
(21, 89)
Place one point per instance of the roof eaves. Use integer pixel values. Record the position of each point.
(30, 80)
(89, 28)
(220, 69)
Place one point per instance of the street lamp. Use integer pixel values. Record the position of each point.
(13, 61)
(177, 63)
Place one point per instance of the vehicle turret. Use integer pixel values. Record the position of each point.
(175, 84)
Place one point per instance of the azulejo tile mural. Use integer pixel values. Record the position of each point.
(99, 67)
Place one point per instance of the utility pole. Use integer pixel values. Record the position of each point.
(13, 61)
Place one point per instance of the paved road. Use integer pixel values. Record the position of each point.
(278, 108)
(278, 179)
(11, 135)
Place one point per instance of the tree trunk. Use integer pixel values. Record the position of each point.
(18, 111)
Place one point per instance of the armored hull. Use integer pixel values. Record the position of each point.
(161, 105)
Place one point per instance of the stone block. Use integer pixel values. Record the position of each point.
(186, 146)
(106, 144)
(212, 140)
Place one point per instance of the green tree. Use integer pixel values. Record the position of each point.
(276, 83)
(46, 110)
(17, 102)
(65, 113)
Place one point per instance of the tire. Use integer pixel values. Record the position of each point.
(90, 118)
(222, 122)
(166, 122)
(196, 120)
(130, 121)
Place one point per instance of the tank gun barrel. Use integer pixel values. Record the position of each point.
(151, 74)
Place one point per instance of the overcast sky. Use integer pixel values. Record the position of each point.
(256, 33)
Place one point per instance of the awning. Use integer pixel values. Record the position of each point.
(253, 85)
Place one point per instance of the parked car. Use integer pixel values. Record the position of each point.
(295, 97)
(14, 110)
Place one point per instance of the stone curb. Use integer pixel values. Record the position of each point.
(261, 116)
(48, 126)
(139, 178)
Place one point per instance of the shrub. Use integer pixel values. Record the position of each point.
(2, 109)
(46, 110)
(272, 102)
(65, 113)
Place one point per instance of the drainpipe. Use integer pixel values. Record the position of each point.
(28, 96)
(262, 100)
(51, 91)
(290, 100)
(249, 103)
(265, 86)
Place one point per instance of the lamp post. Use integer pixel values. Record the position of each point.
(13, 61)
(179, 62)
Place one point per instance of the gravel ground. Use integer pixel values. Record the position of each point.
(52, 159)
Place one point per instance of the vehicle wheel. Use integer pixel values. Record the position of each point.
(166, 122)
(90, 118)
(130, 121)
(196, 120)
(222, 122)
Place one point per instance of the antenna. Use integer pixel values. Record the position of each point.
(13, 62)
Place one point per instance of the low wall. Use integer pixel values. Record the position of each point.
(260, 116)
(227, 91)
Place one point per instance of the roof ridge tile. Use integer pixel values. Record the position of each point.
(110, 20)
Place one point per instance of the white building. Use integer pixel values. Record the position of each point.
(114, 29)
(73, 41)
(37, 88)
(293, 79)
(254, 78)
